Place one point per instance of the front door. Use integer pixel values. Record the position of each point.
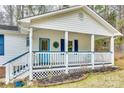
(44, 46)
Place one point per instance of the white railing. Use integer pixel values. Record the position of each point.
(48, 59)
(52, 59)
(102, 57)
(16, 66)
(79, 58)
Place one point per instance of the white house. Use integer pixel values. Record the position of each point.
(58, 42)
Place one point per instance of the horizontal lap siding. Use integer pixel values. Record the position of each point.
(52, 35)
(84, 42)
(14, 45)
(83, 39)
(72, 22)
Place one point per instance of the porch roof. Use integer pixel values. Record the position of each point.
(98, 26)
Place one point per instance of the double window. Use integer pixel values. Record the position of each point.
(70, 45)
(1, 44)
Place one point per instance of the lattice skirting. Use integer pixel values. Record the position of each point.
(54, 72)
(44, 74)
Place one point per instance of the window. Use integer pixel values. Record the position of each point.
(62, 45)
(27, 41)
(1, 44)
(105, 44)
(44, 44)
(70, 46)
(76, 45)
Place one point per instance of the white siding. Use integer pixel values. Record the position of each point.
(14, 45)
(83, 39)
(71, 22)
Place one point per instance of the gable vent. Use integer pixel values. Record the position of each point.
(80, 15)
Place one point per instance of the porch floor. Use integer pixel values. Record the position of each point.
(74, 65)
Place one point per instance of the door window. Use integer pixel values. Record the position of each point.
(44, 45)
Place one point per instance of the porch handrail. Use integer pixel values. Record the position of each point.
(104, 57)
(63, 51)
(16, 66)
(16, 58)
(103, 52)
(76, 51)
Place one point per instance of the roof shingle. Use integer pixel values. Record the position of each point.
(7, 27)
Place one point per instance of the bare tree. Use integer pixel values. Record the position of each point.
(13, 13)
(2, 18)
(9, 13)
(36, 9)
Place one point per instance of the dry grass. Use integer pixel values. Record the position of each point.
(120, 63)
(119, 60)
(98, 80)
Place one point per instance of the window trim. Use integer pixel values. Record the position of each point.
(2, 54)
(62, 48)
(27, 41)
(76, 48)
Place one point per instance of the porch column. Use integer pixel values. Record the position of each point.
(92, 50)
(30, 53)
(66, 50)
(112, 49)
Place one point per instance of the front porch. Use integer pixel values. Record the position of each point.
(45, 59)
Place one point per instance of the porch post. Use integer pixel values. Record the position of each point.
(92, 50)
(66, 50)
(112, 49)
(30, 53)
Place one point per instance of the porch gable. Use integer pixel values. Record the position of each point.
(74, 21)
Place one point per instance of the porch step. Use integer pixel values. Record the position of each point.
(21, 76)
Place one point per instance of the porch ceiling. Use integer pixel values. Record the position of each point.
(96, 36)
(74, 29)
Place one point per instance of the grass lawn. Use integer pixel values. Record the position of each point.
(98, 80)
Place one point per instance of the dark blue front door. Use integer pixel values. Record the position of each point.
(44, 46)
